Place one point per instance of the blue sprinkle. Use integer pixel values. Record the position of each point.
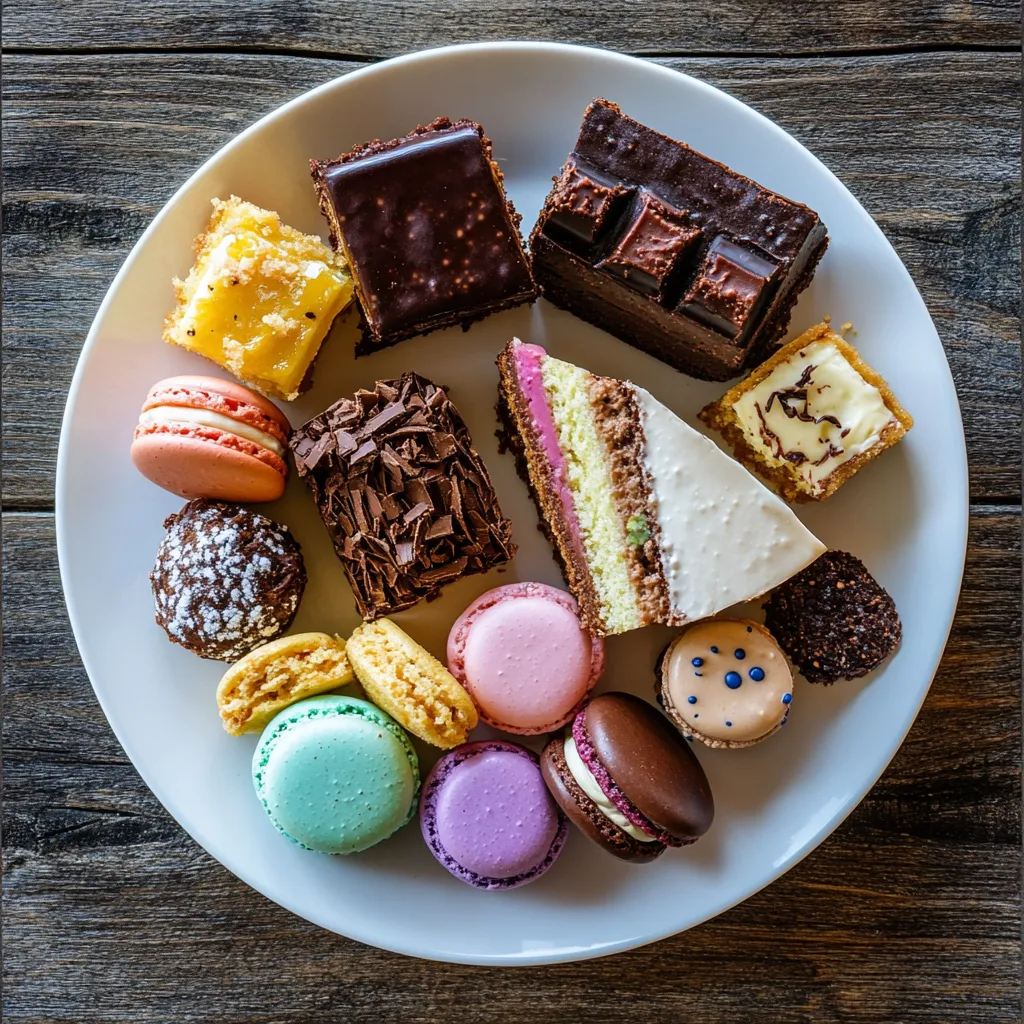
(757, 674)
(733, 680)
(750, 629)
(697, 662)
(690, 738)
(692, 700)
(698, 674)
(786, 698)
(714, 650)
(696, 716)
(729, 724)
(739, 654)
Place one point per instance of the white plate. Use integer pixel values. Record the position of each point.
(905, 517)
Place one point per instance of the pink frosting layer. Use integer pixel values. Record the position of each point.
(528, 361)
(521, 654)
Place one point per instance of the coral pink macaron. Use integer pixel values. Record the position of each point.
(200, 437)
(524, 658)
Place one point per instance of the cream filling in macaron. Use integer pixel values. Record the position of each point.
(165, 415)
(586, 781)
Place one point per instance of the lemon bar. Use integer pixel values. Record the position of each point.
(259, 299)
(809, 417)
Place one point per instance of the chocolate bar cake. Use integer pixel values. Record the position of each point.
(671, 251)
(426, 229)
(652, 522)
(403, 493)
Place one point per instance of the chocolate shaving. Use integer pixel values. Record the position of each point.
(439, 528)
(345, 441)
(384, 417)
(403, 493)
(415, 512)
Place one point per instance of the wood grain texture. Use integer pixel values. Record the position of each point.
(909, 912)
(386, 28)
(95, 145)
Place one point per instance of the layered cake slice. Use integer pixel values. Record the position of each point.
(651, 521)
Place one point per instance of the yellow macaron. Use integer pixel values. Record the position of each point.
(278, 674)
(410, 684)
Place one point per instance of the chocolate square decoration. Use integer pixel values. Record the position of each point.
(733, 283)
(427, 231)
(402, 492)
(652, 246)
(584, 208)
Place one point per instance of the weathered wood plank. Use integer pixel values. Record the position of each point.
(385, 28)
(94, 145)
(910, 912)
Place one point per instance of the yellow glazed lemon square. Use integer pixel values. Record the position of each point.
(260, 298)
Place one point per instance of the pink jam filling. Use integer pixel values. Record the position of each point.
(528, 360)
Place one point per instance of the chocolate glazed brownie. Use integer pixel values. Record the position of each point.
(426, 229)
(671, 251)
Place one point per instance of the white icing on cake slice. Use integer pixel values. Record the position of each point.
(725, 537)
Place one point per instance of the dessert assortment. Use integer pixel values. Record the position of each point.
(651, 522)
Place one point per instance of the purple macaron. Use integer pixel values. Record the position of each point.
(488, 818)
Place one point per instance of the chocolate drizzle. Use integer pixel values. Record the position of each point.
(788, 399)
(798, 393)
(403, 493)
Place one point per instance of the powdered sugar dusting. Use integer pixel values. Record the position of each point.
(226, 579)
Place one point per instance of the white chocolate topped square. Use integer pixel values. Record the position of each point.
(814, 411)
(809, 417)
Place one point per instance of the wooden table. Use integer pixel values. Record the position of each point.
(910, 912)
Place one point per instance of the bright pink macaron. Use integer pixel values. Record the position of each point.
(201, 437)
(524, 659)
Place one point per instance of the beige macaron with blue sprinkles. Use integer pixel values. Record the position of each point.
(725, 682)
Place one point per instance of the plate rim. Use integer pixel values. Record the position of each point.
(61, 524)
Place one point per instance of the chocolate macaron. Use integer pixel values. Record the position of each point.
(627, 779)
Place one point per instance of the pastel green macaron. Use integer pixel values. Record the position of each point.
(336, 774)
